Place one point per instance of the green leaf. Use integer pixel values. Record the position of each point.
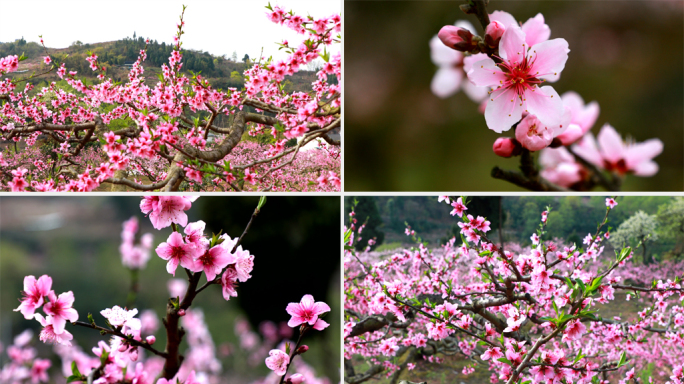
(262, 201)
(73, 378)
(74, 369)
(623, 360)
(581, 285)
(103, 359)
(505, 361)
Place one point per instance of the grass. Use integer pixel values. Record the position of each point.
(388, 246)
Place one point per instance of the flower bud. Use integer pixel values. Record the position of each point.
(456, 38)
(302, 349)
(150, 340)
(493, 33)
(506, 147)
(297, 378)
(123, 347)
(181, 312)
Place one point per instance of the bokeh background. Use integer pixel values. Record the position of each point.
(295, 240)
(626, 55)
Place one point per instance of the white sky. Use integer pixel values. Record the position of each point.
(218, 27)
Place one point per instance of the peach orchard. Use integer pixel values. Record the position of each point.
(530, 315)
(173, 142)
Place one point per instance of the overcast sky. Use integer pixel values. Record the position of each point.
(218, 27)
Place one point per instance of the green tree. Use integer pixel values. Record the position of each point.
(671, 223)
(640, 228)
(245, 59)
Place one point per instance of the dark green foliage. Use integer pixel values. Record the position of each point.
(21, 46)
(366, 212)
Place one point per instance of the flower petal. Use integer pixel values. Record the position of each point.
(545, 103)
(587, 149)
(475, 93)
(501, 113)
(641, 152)
(512, 47)
(610, 142)
(504, 18)
(549, 58)
(446, 82)
(536, 30)
(485, 73)
(443, 55)
(646, 168)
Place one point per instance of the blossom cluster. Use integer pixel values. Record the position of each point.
(57, 308)
(305, 314)
(195, 251)
(134, 256)
(526, 314)
(23, 362)
(506, 71)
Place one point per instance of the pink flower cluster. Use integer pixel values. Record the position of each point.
(134, 256)
(305, 313)
(9, 64)
(195, 251)
(164, 210)
(58, 309)
(23, 362)
(543, 120)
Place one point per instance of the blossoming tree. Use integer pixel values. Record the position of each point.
(174, 137)
(130, 355)
(528, 317)
(507, 70)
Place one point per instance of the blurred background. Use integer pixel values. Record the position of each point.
(626, 55)
(295, 241)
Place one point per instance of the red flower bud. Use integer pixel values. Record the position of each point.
(150, 340)
(302, 349)
(181, 312)
(457, 38)
(506, 147)
(493, 33)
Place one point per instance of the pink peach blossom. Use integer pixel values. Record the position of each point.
(48, 334)
(614, 155)
(212, 261)
(307, 311)
(277, 361)
(516, 81)
(164, 210)
(531, 134)
(177, 252)
(229, 283)
(559, 167)
(60, 309)
(33, 293)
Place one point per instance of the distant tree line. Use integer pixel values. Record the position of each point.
(655, 221)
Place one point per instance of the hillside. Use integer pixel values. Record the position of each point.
(116, 55)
